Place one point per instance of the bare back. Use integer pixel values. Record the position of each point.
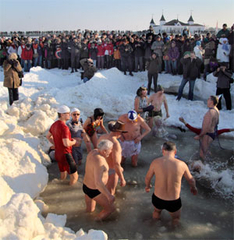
(168, 174)
(96, 166)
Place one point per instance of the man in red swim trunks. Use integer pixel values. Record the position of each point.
(59, 135)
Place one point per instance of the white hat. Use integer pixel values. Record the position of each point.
(63, 109)
(132, 115)
(75, 110)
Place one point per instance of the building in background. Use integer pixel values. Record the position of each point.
(177, 27)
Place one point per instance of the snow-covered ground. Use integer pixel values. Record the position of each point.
(23, 145)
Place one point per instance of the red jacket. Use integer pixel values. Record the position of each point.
(101, 50)
(109, 47)
(27, 54)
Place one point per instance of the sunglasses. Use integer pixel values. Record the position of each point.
(76, 114)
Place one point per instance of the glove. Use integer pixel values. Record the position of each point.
(148, 109)
(11, 62)
(15, 63)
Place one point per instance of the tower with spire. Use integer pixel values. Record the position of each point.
(162, 20)
(191, 21)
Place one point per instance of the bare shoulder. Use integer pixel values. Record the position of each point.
(123, 118)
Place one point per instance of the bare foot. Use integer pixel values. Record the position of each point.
(182, 120)
(104, 214)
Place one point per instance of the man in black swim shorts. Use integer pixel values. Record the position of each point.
(168, 172)
(95, 180)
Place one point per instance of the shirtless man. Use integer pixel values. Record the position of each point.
(131, 141)
(209, 126)
(96, 178)
(114, 160)
(168, 173)
(157, 99)
(59, 135)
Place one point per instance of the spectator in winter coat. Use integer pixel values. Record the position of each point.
(223, 85)
(19, 52)
(138, 53)
(11, 68)
(48, 55)
(223, 51)
(35, 48)
(148, 51)
(191, 65)
(116, 56)
(89, 69)
(153, 72)
(223, 32)
(157, 48)
(84, 51)
(100, 55)
(65, 54)
(75, 54)
(125, 52)
(93, 53)
(208, 54)
(173, 54)
(12, 48)
(27, 55)
(108, 51)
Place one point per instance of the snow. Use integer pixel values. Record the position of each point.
(23, 145)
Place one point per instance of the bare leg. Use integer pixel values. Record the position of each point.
(134, 159)
(182, 120)
(205, 143)
(73, 178)
(94, 140)
(112, 183)
(175, 217)
(63, 175)
(157, 214)
(90, 204)
(108, 207)
(151, 122)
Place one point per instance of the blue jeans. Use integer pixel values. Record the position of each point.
(27, 65)
(191, 88)
(173, 65)
(85, 79)
(35, 61)
(167, 66)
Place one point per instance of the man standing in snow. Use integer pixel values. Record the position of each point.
(168, 172)
(59, 135)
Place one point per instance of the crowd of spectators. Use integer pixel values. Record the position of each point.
(128, 52)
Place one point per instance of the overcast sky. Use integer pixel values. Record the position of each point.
(33, 15)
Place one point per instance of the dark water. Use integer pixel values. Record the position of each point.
(209, 215)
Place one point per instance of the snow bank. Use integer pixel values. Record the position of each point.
(23, 126)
